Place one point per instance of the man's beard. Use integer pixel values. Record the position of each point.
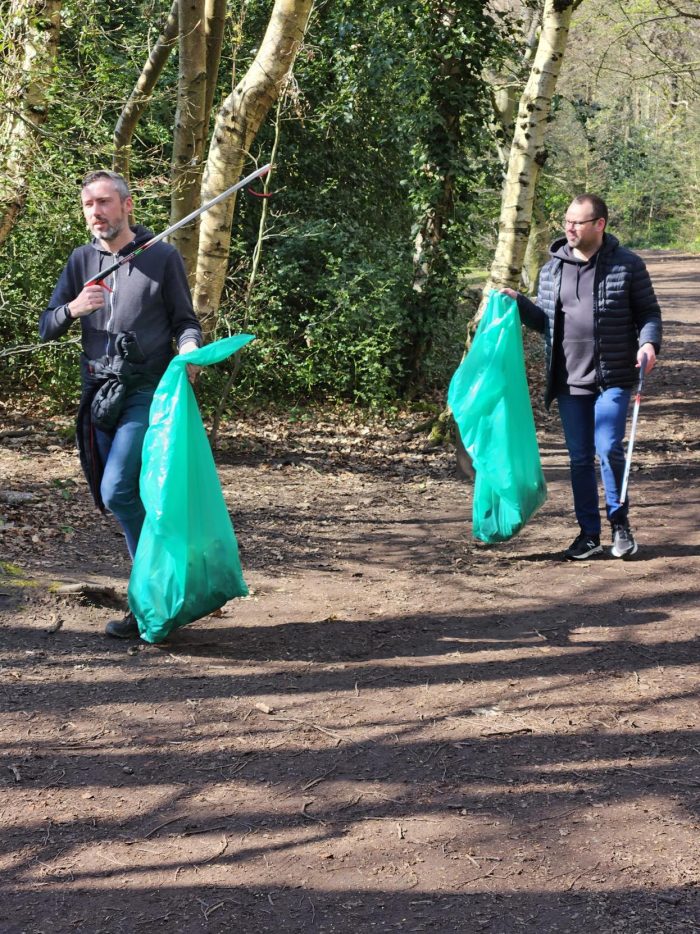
(111, 233)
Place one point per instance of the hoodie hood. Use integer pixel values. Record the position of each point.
(560, 249)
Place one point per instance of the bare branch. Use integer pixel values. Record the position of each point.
(33, 348)
(140, 96)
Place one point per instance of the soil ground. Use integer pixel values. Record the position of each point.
(399, 730)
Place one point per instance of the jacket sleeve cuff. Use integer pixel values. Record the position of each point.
(191, 335)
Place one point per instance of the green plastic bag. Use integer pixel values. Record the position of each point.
(186, 563)
(490, 402)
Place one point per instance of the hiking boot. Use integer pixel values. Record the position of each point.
(126, 628)
(624, 545)
(583, 546)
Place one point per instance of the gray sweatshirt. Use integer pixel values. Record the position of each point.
(150, 297)
(574, 354)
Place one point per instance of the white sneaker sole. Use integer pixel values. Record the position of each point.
(624, 554)
(598, 550)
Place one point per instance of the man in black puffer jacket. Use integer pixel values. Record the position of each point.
(600, 318)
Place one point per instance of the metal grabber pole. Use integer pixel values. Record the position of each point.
(100, 279)
(633, 430)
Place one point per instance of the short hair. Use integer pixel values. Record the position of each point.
(600, 208)
(117, 180)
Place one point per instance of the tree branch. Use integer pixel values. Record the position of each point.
(140, 96)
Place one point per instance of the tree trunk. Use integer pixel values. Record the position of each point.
(506, 89)
(507, 86)
(527, 151)
(252, 278)
(30, 31)
(214, 23)
(427, 249)
(443, 148)
(135, 106)
(188, 134)
(237, 124)
(536, 250)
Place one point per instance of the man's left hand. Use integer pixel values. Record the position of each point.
(648, 351)
(192, 370)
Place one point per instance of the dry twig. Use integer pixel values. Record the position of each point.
(314, 726)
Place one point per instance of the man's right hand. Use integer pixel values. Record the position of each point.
(90, 299)
(511, 293)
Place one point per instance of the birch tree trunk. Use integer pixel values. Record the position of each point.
(527, 151)
(189, 129)
(140, 96)
(527, 155)
(237, 124)
(507, 85)
(507, 88)
(30, 31)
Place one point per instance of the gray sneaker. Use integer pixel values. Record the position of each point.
(624, 545)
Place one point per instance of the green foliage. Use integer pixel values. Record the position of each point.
(341, 340)
(643, 170)
(644, 183)
(387, 184)
(388, 114)
(385, 117)
(626, 122)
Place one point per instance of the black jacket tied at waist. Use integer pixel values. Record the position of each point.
(107, 382)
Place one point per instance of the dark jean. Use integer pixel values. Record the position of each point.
(596, 425)
(121, 454)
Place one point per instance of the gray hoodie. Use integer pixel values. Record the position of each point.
(150, 297)
(574, 352)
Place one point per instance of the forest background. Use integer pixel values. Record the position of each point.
(390, 134)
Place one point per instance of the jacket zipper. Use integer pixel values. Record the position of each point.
(110, 298)
(596, 306)
(556, 327)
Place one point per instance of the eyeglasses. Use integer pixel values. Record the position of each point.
(591, 220)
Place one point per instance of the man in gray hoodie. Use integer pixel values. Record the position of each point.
(600, 319)
(130, 328)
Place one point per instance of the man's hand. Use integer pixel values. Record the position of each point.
(511, 293)
(90, 299)
(192, 370)
(648, 351)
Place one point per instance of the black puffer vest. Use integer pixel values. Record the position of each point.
(625, 308)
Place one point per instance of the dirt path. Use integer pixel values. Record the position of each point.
(400, 730)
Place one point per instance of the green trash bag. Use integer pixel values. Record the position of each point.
(490, 402)
(186, 563)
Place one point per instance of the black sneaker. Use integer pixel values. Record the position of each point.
(624, 545)
(126, 628)
(583, 547)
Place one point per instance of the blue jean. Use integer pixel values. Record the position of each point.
(596, 425)
(120, 451)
